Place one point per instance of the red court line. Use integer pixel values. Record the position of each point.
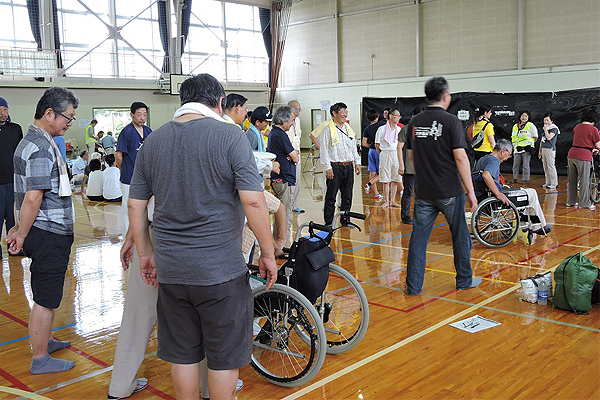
(543, 252)
(75, 350)
(157, 392)
(16, 383)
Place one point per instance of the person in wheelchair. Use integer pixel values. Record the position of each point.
(486, 179)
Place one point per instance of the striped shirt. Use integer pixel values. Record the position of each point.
(36, 169)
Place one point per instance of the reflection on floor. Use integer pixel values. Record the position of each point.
(409, 350)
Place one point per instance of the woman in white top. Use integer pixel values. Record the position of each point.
(386, 143)
(112, 186)
(95, 181)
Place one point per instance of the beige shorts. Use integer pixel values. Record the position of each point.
(388, 167)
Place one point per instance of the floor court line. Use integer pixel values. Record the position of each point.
(24, 394)
(406, 341)
(27, 337)
(495, 309)
(14, 381)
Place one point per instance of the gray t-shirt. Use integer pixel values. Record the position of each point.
(194, 169)
(550, 144)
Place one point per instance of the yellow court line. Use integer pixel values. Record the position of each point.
(22, 393)
(406, 341)
(394, 347)
(573, 217)
(576, 226)
(432, 269)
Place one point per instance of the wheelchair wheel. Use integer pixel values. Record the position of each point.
(344, 310)
(495, 224)
(595, 186)
(289, 344)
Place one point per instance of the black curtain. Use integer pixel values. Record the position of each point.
(163, 20)
(265, 26)
(33, 8)
(567, 107)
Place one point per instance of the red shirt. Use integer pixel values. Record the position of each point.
(584, 135)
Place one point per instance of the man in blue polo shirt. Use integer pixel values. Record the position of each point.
(128, 145)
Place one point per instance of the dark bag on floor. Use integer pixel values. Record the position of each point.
(575, 277)
(310, 257)
(596, 290)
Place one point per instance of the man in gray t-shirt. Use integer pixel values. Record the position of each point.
(203, 177)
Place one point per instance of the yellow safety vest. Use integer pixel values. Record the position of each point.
(521, 137)
(88, 138)
(335, 139)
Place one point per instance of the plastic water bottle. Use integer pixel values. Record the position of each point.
(542, 292)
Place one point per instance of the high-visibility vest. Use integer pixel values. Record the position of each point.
(522, 137)
(88, 137)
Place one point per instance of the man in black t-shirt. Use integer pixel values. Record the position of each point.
(10, 136)
(438, 147)
(287, 157)
(368, 142)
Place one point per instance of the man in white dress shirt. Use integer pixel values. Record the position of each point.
(295, 133)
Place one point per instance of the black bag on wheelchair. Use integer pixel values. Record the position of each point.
(310, 257)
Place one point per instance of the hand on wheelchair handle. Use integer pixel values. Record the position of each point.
(268, 270)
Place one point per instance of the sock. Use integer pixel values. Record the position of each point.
(54, 345)
(47, 365)
(475, 281)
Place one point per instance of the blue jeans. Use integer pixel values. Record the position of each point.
(424, 215)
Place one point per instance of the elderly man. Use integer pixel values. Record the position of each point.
(338, 154)
(10, 136)
(204, 303)
(438, 145)
(295, 134)
(489, 166)
(280, 145)
(44, 226)
(79, 165)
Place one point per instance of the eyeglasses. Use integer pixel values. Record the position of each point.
(69, 120)
(394, 115)
(508, 151)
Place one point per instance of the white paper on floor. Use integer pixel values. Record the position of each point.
(474, 324)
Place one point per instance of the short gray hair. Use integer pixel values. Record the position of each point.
(503, 144)
(282, 115)
(58, 99)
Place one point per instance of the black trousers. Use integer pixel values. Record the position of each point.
(409, 184)
(343, 180)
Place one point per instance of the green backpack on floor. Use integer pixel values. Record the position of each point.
(575, 277)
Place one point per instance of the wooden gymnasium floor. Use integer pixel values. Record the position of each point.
(409, 352)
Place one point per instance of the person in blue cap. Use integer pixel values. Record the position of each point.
(10, 136)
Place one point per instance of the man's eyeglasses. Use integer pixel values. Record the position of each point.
(69, 120)
(394, 115)
(508, 151)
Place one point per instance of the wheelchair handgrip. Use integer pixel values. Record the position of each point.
(355, 215)
(314, 225)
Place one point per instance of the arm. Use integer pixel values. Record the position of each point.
(315, 141)
(280, 223)
(489, 181)
(293, 155)
(118, 158)
(549, 135)
(400, 158)
(325, 150)
(464, 169)
(534, 131)
(364, 143)
(29, 210)
(127, 250)
(378, 148)
(257, 214)
(138, 225)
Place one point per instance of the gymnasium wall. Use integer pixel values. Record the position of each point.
(23, 99)
(474, 43)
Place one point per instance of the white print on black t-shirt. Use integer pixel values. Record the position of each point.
(434, 130)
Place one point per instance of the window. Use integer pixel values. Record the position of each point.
(113, 119)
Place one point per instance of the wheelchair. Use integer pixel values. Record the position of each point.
(495, 224)
(292, 334)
